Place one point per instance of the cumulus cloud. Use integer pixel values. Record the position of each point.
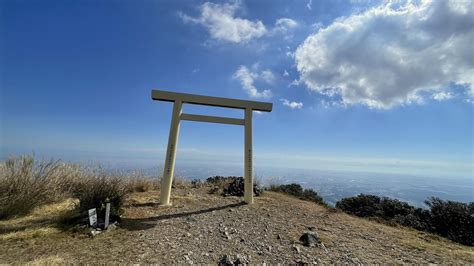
(391, 55)
(291, 104)
(248, 78)
(223, 25)
(442, 96)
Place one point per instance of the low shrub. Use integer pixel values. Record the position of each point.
(453, 220)
(311, 195)
(291, 189)
(362, 205)
(197, 183)
(231, 186)
(237, 188)
(93, 191)
(298, 191)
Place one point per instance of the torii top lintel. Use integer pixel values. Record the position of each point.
(169, 96)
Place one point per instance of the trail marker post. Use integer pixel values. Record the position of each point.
(93, 217)
(107, 213)
(178, 100)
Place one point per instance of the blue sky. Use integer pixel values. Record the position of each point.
(356, 85)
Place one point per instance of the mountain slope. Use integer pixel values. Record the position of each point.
(203, 228)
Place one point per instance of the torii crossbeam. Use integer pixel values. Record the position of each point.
(178, 100)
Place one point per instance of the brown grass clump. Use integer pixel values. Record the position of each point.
(139, 183)
(26, 184)
(180, 182)
(93, 192)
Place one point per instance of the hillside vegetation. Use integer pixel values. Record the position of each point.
(453, 220)
(207, 222)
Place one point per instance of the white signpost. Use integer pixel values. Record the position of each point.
(178, 100)
(107, 214)
(93, 217)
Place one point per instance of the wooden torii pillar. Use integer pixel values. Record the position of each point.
(178, 100)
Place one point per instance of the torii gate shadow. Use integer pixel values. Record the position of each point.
(133, 224)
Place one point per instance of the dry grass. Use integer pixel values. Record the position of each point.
(30, 233)
(180, 182)
(41, 222)
(428, 241)
(138, 183)
(48, 260)
(26, 184)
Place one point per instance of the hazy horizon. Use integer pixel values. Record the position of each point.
(332, 184)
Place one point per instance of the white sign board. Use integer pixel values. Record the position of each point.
(93, 217)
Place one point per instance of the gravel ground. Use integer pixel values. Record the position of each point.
(205, 229)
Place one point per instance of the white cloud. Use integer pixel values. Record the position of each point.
(284, 25)
(442, 96)
(309, 5)
(247, 78)
(285, 73)
(388, 56)
(222, 24)
(267, 76)
(292, 105)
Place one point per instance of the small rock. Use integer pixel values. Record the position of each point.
(111, 227)
(191, 219)
(241, 260)
(226, 260)
(297, 249)
(310, 239)
(355, 260)
(188, 260)
(301, 262)
(94, 233)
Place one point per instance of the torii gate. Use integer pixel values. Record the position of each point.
(178, 100)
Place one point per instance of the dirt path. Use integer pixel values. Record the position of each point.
(202, 228)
